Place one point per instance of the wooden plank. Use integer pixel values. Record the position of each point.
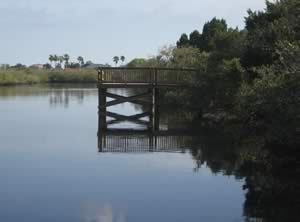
(136, 121)
(122, 99)
(130, 132)
(124, 117)
(141, 115)
(143, 85)
(133, 118)
(150, 68)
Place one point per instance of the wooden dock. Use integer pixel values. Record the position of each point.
(150, 80)
(144, 77)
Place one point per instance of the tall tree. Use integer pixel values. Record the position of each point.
(211, 32)
(116, 59)
(137, 62)
(122, 58)
(278, 23)
(55, 59)
(217, 39)
(51, 59)
(60, 59)
(66, 59)
(195, 39)
(80, 60)
(183, 41)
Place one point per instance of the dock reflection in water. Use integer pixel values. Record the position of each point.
(125, 140)
(119, 140)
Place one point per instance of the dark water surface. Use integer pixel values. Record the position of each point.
(51, 170)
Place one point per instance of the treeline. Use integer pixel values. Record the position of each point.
(251, 75)
(58, 62)
(59, 70)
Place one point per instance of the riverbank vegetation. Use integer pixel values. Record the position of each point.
(33, 76)
(60, 69)
(250, 75)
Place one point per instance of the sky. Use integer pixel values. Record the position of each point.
(31, 30)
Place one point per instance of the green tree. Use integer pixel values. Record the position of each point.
(217, 39)
(51, 59)
(19, 66)
(183, 41)
(80, 60)
(66, 59)
(189, 58)
(195, 39)
(60, 59)
(270, 104)
(122, 58)
(210, 33)
(47, 66)
(116, 59)
(137, 62)
(55, 59)
(279, 22)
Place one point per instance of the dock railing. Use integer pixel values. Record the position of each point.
(147, 76)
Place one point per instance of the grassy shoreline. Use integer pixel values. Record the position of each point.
(28, 76)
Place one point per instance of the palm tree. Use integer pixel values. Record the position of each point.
(60, 59)
(66, 59)
(55, 59)
(80, 60)
(51, 59)
(116, 59)
(122, 59)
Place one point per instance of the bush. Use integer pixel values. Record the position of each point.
(270, 106)
(80, 76)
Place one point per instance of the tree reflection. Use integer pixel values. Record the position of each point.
(272, 184)
(271, 173)
(62, 97)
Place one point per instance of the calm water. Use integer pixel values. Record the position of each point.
(51, 170)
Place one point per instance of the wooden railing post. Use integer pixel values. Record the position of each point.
(152, 74)
(100, 75)
(102, 108)
(155, 77)
(156, 109)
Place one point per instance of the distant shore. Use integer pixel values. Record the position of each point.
(30, 76)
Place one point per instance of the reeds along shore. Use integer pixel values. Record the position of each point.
(34, 76)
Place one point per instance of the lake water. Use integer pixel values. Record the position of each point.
(51, 168)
